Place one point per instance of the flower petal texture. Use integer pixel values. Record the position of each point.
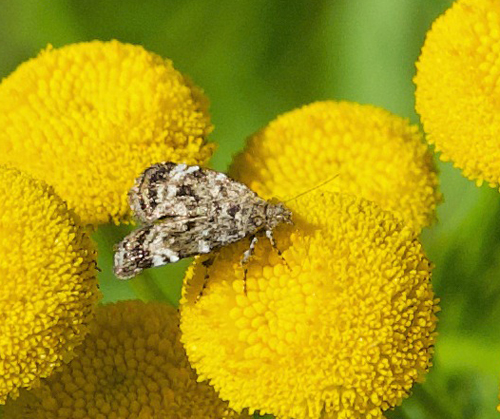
(132, 365)
(89, 117)
(340, 327)
(458, 88)
(48, 286)
(376, 155)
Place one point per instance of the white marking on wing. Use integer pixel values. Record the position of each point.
(165, 256)
(171, 190)
(203, 247)
(119, 258)
(192, 169)
(179, 168)
(171, 255)
(158, 260)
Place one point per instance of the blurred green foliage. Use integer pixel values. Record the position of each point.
(256, 59)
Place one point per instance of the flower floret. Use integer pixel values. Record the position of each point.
(89, 117)
(48, 283)
(459, 109)
(132, 365)
(343, 146)
(341, 326)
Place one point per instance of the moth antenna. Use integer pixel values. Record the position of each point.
(312, 189)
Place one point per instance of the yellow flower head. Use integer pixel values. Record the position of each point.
(376, 155)
(458, 88)
(89, 117)
(341, 327)
(48, 288)
(132, 365)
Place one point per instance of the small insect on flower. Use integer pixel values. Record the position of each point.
(187, 211)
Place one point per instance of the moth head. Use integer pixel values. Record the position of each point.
(277, 214)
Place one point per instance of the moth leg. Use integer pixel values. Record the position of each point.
(269, 235)
(244, 260)
(207, 263)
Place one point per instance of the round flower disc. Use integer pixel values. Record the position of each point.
(373, 154)
(90, 117)
(131, 365)
(458, 88)
(48, 288)
(340, 327)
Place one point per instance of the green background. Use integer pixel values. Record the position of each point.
(256, 59)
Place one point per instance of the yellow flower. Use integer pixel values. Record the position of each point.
(48, 288)
(132, 365)
(89, 117)
(376, 155)
(341, 330)
(458, 88)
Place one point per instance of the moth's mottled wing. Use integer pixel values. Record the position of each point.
(177, 190)
(189, 211)
(159, 244)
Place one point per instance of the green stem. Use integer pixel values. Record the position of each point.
(146, 289)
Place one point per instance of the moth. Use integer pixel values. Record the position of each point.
(187, 211)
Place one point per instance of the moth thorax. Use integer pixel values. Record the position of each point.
(277, 214)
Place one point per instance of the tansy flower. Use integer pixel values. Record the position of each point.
(341, 327)
(376, 155)
(132, 365)
(88, 118)
(48, 288)
(458, 88)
